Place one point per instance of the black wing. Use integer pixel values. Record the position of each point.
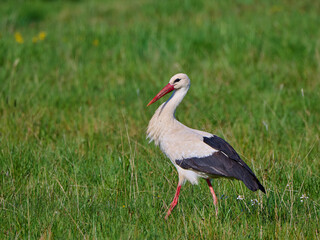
(225, 163)
(224, 147)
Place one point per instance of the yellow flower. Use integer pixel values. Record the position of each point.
(95, 42)
(123, 206)
(42, 35)
(35, 39)
(18, 37)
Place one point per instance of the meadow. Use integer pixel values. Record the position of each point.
(75, 79)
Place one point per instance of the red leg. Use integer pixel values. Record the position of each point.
(215, 200)
(174, 202)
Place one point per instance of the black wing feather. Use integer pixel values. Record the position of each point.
(225, 163)
(223, 146)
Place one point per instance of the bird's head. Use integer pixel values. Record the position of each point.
(177, 82)
(180, 80)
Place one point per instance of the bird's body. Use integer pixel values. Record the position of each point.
(178, 142)
(195, 154)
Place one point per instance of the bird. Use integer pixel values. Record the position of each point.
(194, 153)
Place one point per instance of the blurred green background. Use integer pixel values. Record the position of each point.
(75, 78)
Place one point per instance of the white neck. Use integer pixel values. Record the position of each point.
(168, 109)
(164, 115)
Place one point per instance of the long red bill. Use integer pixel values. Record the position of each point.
(168, 88)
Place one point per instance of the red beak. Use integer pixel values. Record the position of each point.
(168, 88)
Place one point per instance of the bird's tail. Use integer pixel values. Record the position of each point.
(252, 182)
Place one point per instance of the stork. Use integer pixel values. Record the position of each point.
(195, 154)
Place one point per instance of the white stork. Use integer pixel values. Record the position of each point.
(194, 153)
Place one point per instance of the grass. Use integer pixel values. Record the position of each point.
(74, 160)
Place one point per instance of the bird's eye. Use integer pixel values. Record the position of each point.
(177, 80)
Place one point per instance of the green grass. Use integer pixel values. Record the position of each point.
(74, 161)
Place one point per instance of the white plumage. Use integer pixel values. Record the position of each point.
(176, 140)
(194, 153)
